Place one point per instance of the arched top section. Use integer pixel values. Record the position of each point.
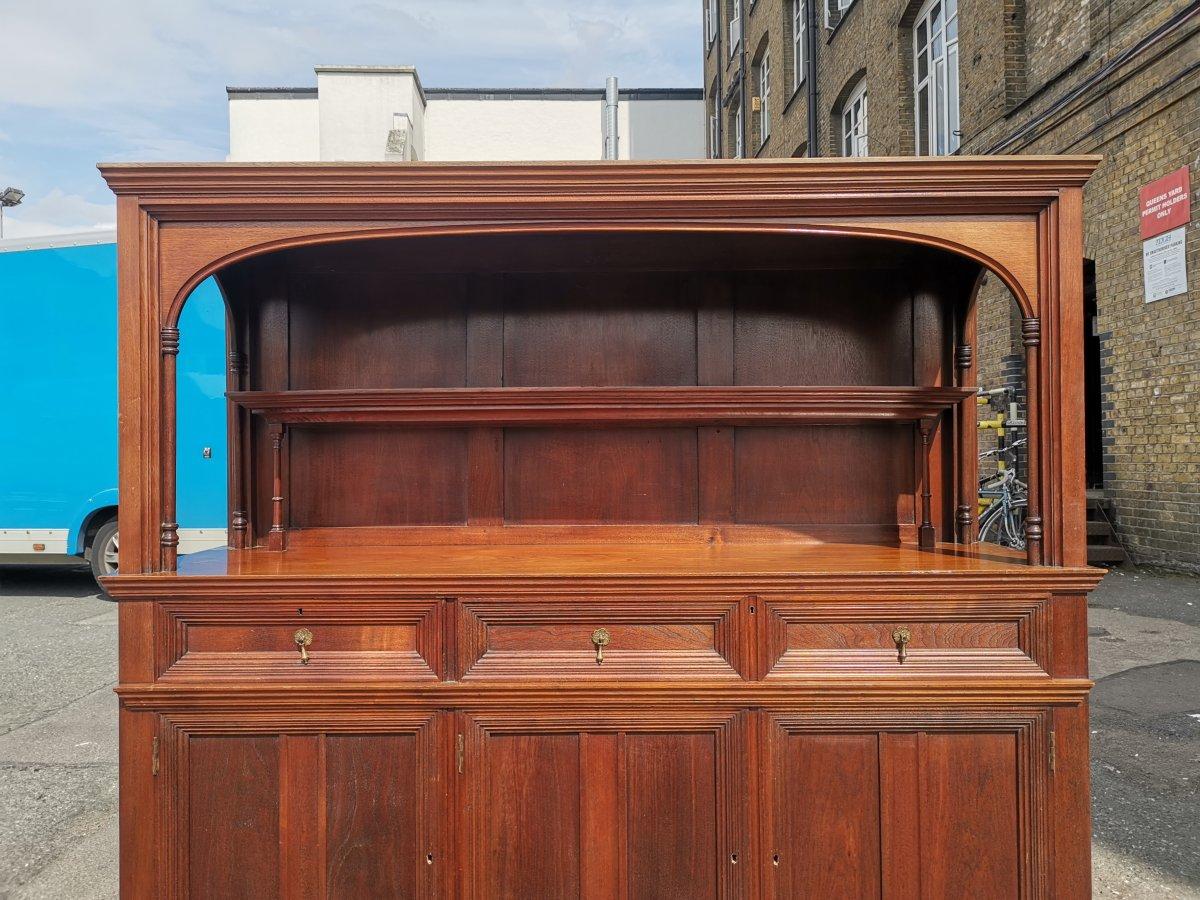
(808, 238)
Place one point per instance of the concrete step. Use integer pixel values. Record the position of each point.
(1099, 527)
(1105, 553)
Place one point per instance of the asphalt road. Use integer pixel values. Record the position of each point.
(58, 736)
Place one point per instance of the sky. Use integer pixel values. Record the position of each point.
(85, 81)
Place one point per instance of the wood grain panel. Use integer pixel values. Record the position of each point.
(404, 332)
(671, 816)
(826, 809)
(824, 475)
(279, 638)
(531, 845)
(593, 476)
(969, 816)
(601, 802)
(923, 635)
(233, 816)
(666, 636)
(610, 328)
(372, 830)
(840, 327)
(345, 476)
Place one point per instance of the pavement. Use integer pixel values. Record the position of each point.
(58, 736)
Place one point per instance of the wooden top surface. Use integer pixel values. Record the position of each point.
(619, 561)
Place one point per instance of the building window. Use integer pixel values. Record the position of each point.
(735, 26)
(714, 133)
(935, 77)
(764, 97)
(834, 10)
(712, 22)
(854, 122)
(739, 149)
(799, 37)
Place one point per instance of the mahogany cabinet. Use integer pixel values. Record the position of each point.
(604, 531)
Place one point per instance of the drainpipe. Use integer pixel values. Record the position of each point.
(720, 98)
(611, 98)
(810, 74)
(745, 77)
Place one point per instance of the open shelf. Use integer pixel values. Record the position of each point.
(602, 405)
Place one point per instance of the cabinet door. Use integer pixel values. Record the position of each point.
(329, 814)
(649, 807)
(947, 807)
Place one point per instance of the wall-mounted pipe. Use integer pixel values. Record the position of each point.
(611, 99)
(810, 74)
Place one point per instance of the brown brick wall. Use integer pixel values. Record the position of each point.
(1050, 76)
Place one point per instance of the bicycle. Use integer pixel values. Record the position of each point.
(1003, 499)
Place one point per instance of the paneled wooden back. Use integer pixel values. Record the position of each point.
(784, 313)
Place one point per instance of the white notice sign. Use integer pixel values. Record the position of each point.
(1164, 265)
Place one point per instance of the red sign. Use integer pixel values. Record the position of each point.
(1165, 204)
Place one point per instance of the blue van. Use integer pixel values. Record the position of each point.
(58, 364)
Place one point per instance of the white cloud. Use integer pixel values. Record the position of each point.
(144, 79)
(154, 56)
(57, 213)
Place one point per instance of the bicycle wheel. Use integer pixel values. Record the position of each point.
(1014, 524)
(1004, 524)
(989, 523)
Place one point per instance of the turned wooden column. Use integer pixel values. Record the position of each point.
(968, 449)
(926, 536)
(1031, 334)
(238, 519)
(168, 539)
(276, 537)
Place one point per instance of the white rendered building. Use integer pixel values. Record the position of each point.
(382, 113)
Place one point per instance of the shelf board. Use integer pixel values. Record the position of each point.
(603, 405)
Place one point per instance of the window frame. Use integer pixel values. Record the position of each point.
(855, 122)
(937, 120)
(835, 11)
(735, 27)
(764, 97)
(712, 22)
(799, 41)
(714, 133)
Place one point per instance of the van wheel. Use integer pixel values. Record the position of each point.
(104, 553)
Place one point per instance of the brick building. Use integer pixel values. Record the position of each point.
(1120, 78)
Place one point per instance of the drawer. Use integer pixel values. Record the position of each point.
(601, 638)
(901, 636)
(341, 639)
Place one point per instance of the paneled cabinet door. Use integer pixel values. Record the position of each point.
(643, 805)
(949, 805)
(326, 813)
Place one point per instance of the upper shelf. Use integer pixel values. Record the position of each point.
(603, 405)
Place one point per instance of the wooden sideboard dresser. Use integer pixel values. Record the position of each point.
(605, 531)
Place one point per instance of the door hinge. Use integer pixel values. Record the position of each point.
(460, 745)
(1052, 752)
(154, 757)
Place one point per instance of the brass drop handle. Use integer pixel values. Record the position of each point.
(303, 639)
(600, 637)
(901, 637)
